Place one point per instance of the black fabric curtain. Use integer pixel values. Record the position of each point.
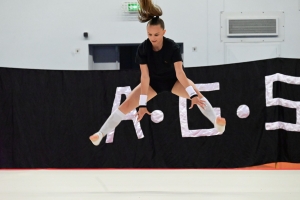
(47, 116)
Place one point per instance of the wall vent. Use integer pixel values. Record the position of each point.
(252, 27)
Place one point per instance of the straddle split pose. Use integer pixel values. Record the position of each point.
(161, 70)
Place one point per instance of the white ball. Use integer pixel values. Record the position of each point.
(157, 116)
(243, 111)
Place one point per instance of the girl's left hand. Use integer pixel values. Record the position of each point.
(197, 101)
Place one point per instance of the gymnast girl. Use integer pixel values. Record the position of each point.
(161, 68)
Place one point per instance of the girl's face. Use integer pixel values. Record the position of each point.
(155, 34)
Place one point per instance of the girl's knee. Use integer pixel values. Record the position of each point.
(124, 106)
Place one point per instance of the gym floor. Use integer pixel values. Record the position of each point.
(139, 184)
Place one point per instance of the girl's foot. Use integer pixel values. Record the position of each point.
(220, 124)
(96, 138)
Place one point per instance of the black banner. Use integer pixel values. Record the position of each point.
(47, 116)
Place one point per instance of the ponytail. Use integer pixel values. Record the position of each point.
(150, 12)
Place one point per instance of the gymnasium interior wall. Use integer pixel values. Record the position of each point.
(49, 34)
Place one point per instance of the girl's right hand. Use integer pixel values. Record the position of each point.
(142, 111)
